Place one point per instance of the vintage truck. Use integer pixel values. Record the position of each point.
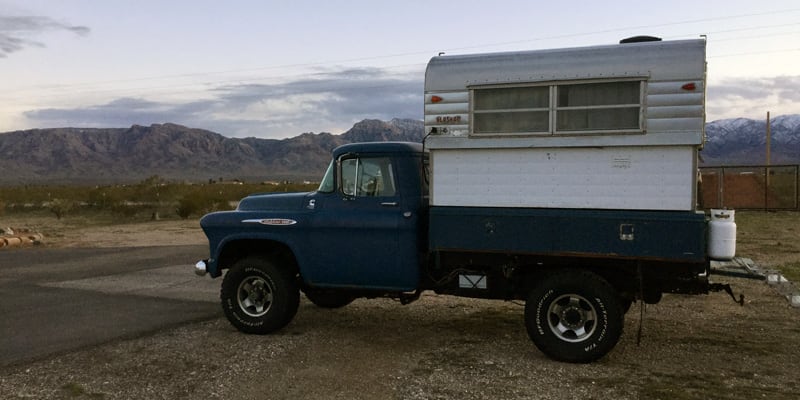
(563, 178)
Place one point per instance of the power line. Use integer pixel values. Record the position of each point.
(79, 86)
(572, 35)
(752, 53)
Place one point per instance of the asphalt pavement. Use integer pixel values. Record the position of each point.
(56, 300)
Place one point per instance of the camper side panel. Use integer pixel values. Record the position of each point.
(633, 178)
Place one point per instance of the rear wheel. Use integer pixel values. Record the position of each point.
(259, 296)
(574, 316)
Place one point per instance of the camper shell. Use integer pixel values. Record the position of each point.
(602, 127)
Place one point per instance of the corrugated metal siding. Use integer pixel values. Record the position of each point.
(661, 61)
(452, 104)
(636, 178)
(664, 66)
(670, 108)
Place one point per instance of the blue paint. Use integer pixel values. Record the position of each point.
(664, 235)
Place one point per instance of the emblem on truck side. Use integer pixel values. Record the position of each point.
(270, 221)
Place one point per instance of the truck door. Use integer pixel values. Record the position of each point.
(363, 234)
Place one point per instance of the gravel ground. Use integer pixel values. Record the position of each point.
(692, 347)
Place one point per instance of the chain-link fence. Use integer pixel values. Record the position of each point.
(753, 187)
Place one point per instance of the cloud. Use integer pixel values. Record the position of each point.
(332, 100)
(327, 101)
(753, 97)
(15, 32)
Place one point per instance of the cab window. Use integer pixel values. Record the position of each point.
(326, 186)
(367, 177)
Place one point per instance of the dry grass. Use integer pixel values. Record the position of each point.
(771, 239)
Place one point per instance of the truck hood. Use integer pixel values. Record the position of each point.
(272, 201)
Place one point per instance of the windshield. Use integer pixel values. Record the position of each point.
(326, 186)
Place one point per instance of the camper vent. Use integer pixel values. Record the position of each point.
(639, 39)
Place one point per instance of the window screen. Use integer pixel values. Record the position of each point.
(572, 108)
(512, 110)
(598, 106)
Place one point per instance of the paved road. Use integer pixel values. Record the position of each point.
(56, 300)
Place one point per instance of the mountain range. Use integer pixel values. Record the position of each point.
(742, 141)
(175, 152)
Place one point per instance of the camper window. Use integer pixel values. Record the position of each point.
(598, 106)
(512, 110)
(573, 108)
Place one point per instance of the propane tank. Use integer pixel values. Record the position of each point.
(721, 235)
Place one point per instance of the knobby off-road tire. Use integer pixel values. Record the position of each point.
(574, 316)
(328, 299)
(258, 296)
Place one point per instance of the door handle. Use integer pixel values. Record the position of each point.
(389, 204)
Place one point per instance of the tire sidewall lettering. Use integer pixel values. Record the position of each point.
(608, 317)
(602, 320)
(540, 311)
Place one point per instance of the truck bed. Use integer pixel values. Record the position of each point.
(671, 236)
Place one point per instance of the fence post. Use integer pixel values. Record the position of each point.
(766, 189)
(721, 184)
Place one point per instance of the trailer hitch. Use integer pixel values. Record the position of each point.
(719, 287)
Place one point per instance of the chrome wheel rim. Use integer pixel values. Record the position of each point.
(572, 318)
(254, 296)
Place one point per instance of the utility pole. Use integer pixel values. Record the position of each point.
(766, 169)
(769, 139)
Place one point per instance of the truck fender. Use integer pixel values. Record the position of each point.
(238, 246)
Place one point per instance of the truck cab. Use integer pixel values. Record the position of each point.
(365, 220)
(358, 235)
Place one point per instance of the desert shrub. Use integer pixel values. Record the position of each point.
(61, 207)
(186, 207)
(200, 202)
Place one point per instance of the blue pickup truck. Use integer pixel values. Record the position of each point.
(563, 178)
(369, 231)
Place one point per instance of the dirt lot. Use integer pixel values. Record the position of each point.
(439, 347)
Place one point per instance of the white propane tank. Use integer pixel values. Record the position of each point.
(721, 235)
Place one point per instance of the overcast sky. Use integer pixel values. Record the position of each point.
(280, 68)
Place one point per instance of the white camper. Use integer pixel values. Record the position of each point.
(601, 127)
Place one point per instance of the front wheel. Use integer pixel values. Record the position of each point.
(259, 296)
(574, 316)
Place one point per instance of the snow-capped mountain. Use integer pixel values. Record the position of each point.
(742, 141)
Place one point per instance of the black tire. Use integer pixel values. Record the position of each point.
(328, 299)
(574, 316)
(259, 296)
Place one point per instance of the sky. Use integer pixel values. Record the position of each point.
(276, 69)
